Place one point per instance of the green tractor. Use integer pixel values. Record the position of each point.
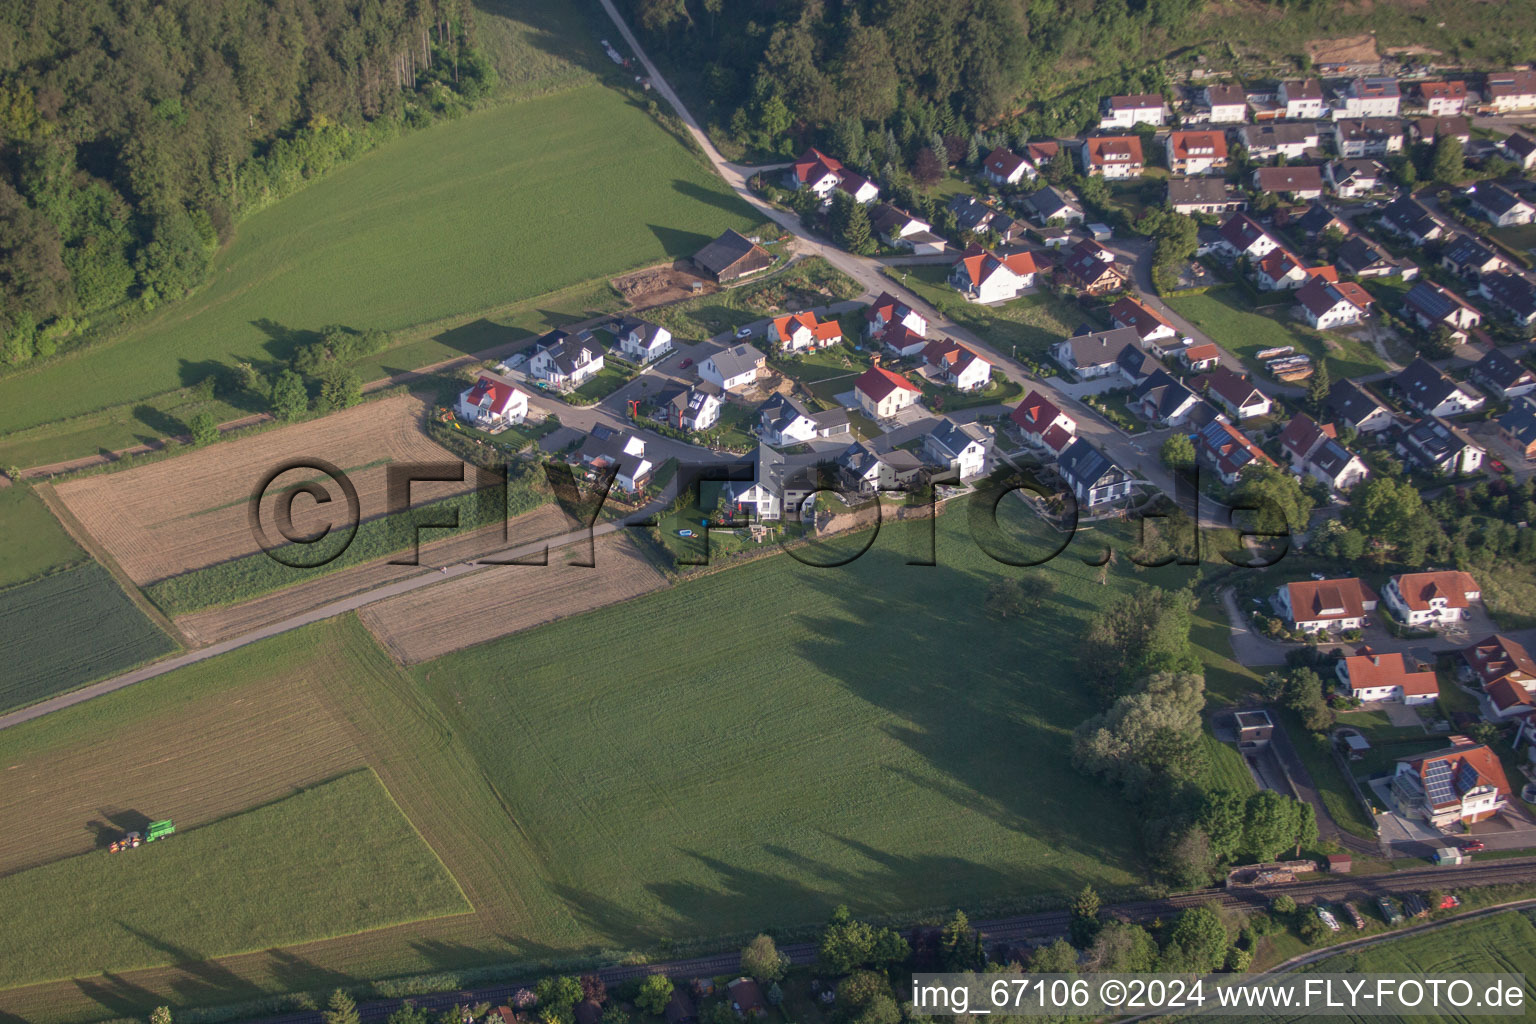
(131, 841)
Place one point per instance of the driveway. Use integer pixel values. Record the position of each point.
(1247, 646)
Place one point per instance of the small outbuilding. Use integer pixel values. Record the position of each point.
(1340, 864)
(1446, 855)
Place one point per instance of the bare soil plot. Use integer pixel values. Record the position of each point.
(1348, 50)
(654, 286)
(215, 624)
(192, 511)
(430, 622)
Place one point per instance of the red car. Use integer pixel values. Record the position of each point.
(1498, 467)
(685, 364)
(1473, 846)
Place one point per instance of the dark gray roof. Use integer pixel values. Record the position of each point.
(1196, 191)
(1424, 385)
(563, 348)
(1496, 199)
(729, 249)
(1284, 133)
(780, 412)
(955, 437)
(1499, 370)
(1511, 291)
(1082, 463)
(737, 359)
(828, 419)
(1357, 254)
(1051, 202)
(970, 213)
(1520, 421)
(1434, 302)
(1469, 251)
(1433, 442)
(1331, 457)
(1167, 392)
(1411, 215)
(1351, 403)
(1098, 347)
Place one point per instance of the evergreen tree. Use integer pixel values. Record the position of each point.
(1318, 388)
(1448, 165)
(1085, 918)
(341, 1009)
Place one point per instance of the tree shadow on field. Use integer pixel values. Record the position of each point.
(117, 994)
(677, 242)
(454, 955)
(161, 423)
(116, 825)
(198, 979)
(283, 341)
(294, 973)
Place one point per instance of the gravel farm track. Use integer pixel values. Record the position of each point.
(190, 512)
(472, 609)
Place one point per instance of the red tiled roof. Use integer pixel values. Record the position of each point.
(813, 165)
(1201, 352)
(1369, 671)
(1114, 149)
(1056, 438)
(825, 330)
(1355, 293)
(1184, 145)
(1443, 90)
(1481, 760)
(980, 264)
(1035, 412)
(1233, 387)
(501, 394)
(1506, 694)
(1303, 434)
(1327, 272)
(1278, 264)
(1496, 657)
(1143, 319)
(1418, 588)
(877, 382)
(1326, 600)
(1003, 162)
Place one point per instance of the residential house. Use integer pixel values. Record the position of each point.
(493, 403)
(761, 498)
(1092, 476)
(1199, 358)
(1336, 467)
(983, 276)
(732, 256)
(680, 1008)
(1053, 204)
(882, 393)
(1266, 142)
(1360, 257)
(1500, 206)
(733, 368)
(1096, 354)
(1457, 786)
(1335, 606)
(1203, 195)
(1225, 104)
(1469, 257)
(1280, 270)
(1442, 99)
(1154, 329)
(1164, 400)
(1196, 153)
(1367, 137)
(960, 447)
(1369, 676)
(1008, 229)
(957, 366)
(1369, 97)
(1510, 90)
(1502, 376)
(816, 171)
(1412, 219)
(1497, 658)
(1129, 111)
(1327, 304)
(691, 408)
(887, 310)
(784, 421)
(1090, 268)
(1431, 598)
(863, 190)
(1041, 422)
(901, 340)
(1431, 305)
(1005, 167)
(1351, 404)
(1521, 148)
(1437, 446)
(802, 332)
(900, 230)
(1042, 152)
(1512, 295)
(1300, 181)
(1315, 221)
(1227, 451)
(1235, 393)
(565, 360)
(1241, 236)
(1432, 392)
(1302, 99)
(1112, 156)
(1430, 130)
(1135, 365)
(606, 449)
(1517, 427)
(866, 471)
(970, 213)
(1301, 437)
(642, 342)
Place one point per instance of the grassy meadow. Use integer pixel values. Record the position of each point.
(1245, 332)
(505, 204)
(1028, 325)
(332, 860)
(32, 541)
(67, 629)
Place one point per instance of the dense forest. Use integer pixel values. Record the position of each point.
(134, 135)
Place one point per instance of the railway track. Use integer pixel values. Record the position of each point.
(1009, 931)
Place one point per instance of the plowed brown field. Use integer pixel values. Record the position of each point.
(192, 511)
(432, 621)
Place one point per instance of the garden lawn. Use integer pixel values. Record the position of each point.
(1227, 770)
(336, 859)
(508, 203)
(1227, 680)
(65, 630)
(32, 541)
(1246, 333)
(1028, 325)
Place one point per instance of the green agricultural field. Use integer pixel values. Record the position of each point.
(505, 204)
(333, 860)
(32, 541)
(1246, 333)
(67, 629)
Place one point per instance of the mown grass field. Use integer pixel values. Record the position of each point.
(508, 203)
(1028, 326)
(67, 629)
(336, 859)
(31, 540)
(1245, 333)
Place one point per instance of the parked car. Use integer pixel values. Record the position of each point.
(743, 332)
(1389, 911)
(1473, 846)
(1498, 467)
(685, 364)
(1328, 919)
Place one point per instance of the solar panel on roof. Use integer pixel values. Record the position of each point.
(1437, 782)
(1466, 777)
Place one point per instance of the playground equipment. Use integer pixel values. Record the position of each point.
(132, 840)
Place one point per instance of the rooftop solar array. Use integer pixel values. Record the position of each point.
(1437, 782)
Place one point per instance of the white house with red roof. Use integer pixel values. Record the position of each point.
(1235, 393)
(863, 190)
(1499, 661)
(886, 310)
(1042, 422)
(1367, 675)
(1280, 270)
(1199, 358)
(956, 365)
(802, 332)
(901, 340)
(816, 171)
(1113, 156)
(983, 276)
(1457, 786)
(1315, 605)
(1228, 451)
(1327, 304)
(1432, 598)
(1196, 153)
(1005, 167)
(493, 403)
(1150, 325)
(1241, 235)
(883, 393)
(1442, 99)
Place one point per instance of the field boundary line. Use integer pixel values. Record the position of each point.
(83, 537)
